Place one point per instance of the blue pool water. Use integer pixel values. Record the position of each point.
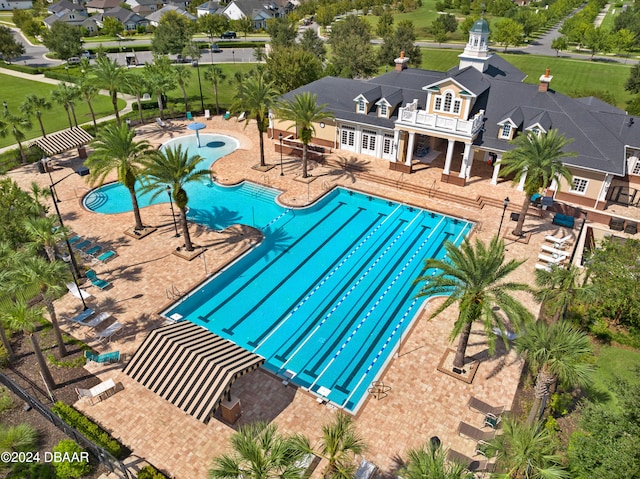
(328, 293)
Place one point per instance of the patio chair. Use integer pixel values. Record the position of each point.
(543, 267)
(107, 334)
(189, 116)
(558, 242)
(467, 430)
(78, 293)
(227, 115)
(98, 320)
(81, 245)
(84, 315)
(91, 252)
(366, 470)
(556, 259)
(630, 227)
(106, 256)
(482, 407)
(99, 392)
(492, 421)
(93, 277)
(105, 358)
(75, 239)
(553, 251)
(242, 116)
(616, 224)
(161, 123)
(471, 464)
(207, 114)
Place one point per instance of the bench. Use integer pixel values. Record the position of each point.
(563, 220)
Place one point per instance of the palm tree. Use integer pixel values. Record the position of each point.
(138, 87)
(304, 111)
(14, 124)
(430, 462)
(111, 77)
(43, 234)
(256, 96)
(66, 95)
(539, 157)
(33, 105)
(259, 452)
(115, 149)
(159, 76)
(555, 352)
(525, 451)
(474, 278)
(49, 277)
(20, 316)
(88, 90)
(560, 287)
(173, 168)
(340, 444)
(182, 76)
(216, 76)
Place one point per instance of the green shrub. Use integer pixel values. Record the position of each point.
(22, 68)
(551, 424)
(150, 472)
(74, 363)
(68, 466)
(560, 404)
(4, 358)
(87, 427)
(6, 401)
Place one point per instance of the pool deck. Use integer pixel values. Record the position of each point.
(421, 402)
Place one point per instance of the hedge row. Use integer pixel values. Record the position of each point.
(125, 47)
(90, 429)
(23, 68)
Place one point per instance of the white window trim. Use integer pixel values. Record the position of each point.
(583, 182)
(385, 113)
(361, 106)
(442, 97)
(635, 168)
(506, 136)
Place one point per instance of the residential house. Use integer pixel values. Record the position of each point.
(72, 14)
(463, 121)
(143, 7)
(258, 11)
(129, 19)
(10, 5)
(65, 5)
(209, 8)
(155, 17)
(100, 6)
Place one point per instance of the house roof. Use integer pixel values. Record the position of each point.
(210, 6)
(156, 16)
(64, 5)
(251, 8)
(124, 15)
(102, 4)
(599, 131)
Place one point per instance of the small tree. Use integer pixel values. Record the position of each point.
(560, 43)
(67, 467)
(508, 32)
(34, 105)
(216, 76)
(14, 125)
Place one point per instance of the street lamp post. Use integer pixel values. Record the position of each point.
(66, 67)
(197, 65)
(74, 266)
(233, 54)
(173, 216)
(505, 204)
(281, 171)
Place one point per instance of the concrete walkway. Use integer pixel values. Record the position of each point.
(41, 78)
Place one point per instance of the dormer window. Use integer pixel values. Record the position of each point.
(447, 103)
(362, 107)
(383, 111)
(506, 131)
(535, 131)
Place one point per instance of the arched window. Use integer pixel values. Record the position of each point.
(448, 98)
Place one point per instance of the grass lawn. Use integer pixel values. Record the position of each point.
(16, 89)
(569, 75)
(615, 362)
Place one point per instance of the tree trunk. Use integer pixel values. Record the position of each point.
(215, 90)
(22, 155)
(184, 95)
(523, 213)
(114, 101)
(6, 343)
(73, 112)
(160, 107)
(458, 361)
(136, 209)
(140, 110)
(66, 107)
(262, 163)
(44, 134)
(46, 374)
(50, 250)
(93, 116)
(185, 229)
(62, 350)
(304, 160)
(541, 391)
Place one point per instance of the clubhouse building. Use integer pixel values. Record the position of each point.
(467, 117)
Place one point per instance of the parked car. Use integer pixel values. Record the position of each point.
(73, 61)
(86, 54)
(215, 48)
(179, 58)
(228, 35)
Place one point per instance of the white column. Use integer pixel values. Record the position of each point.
(396, 145)
(496, 170)
(465, 167)
(447, 161)
(412, 139)
(522, 180)
(605, 188)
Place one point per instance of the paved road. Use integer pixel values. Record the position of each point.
(34, 55)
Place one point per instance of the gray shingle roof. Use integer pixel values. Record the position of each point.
(515, 115)
(541, 119)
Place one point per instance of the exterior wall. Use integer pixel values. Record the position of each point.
(455, 89)
(17, 4)
(591, 193)
(233, 12)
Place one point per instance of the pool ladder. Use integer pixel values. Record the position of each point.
(173, 293)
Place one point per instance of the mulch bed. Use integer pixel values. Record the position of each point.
(25, 372)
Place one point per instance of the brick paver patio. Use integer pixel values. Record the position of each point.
(421, 402)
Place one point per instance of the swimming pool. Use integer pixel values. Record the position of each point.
(328, 293)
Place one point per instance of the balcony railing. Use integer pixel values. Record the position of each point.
(433, 121)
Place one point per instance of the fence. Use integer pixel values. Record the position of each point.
(105, 458)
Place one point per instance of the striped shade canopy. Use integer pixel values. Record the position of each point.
(190, 367)
(64, 140)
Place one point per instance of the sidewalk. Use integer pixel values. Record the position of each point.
(41, 78)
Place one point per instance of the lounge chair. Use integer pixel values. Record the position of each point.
(366, 470)
(467, 430)
(99, 392)
(507, 334)
(78, 293)
(82, 245)
(91, 252)
(544, 267)
(471, 464)
(556, 259)
(112, 357)
(106, 256)
(93, 277)
(227, 115)
(161, 123)
(553, 251)
(189, 116)
(482, 407)
(75, 239)
(83, 316)
(558, 242)
(242, 116)
(98, 320)
(108, 333)
(207, 114)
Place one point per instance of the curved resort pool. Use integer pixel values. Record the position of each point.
(328, 294)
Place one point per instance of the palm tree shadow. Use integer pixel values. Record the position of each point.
(501, 354)
(349, 166)
(217, 218)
